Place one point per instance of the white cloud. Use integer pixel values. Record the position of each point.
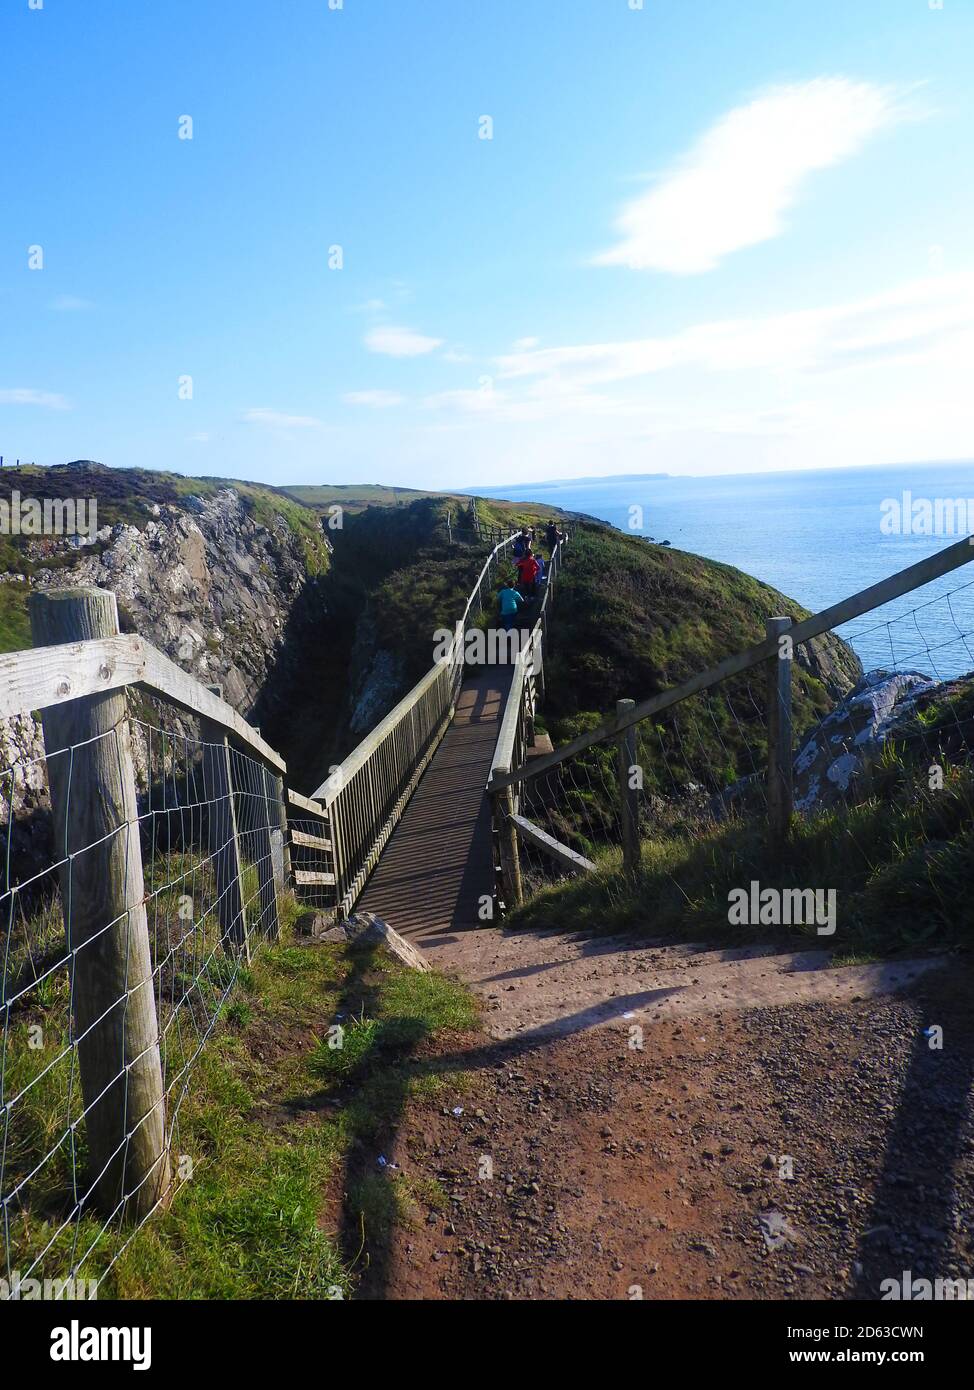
(525, 344)
(916, 321)
(745, 172)
(23, 395)
(260, 415)
(400, 342)
(375, 400)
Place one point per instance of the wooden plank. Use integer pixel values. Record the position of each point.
(163, 677)
(306, 804)
(567, 858)
(300, 837)
(42, 677)
(302, 876)
(507, 735)
(874, 597)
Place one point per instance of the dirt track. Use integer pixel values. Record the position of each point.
(617, 1170)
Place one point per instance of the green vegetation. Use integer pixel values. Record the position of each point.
(14, 623)
(355, 497)
(900, 857)
(273, 1121)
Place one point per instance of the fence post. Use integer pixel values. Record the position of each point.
(628, 795)
(278, 796)
(507, 841)
(224, 838)
(265, 852)
(91, 775)
(780, 790)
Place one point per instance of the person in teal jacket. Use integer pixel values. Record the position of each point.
(510, 602)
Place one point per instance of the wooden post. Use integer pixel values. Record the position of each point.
(628, 794)
(780, 789)
(224, 839)
(286, 871)
(92, 782)
(510, 858)
(263, 852)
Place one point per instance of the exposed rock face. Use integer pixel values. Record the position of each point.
(209, 586)
(837, 749)
(832, 661)
(378, 683)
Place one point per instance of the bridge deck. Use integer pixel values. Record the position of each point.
(437, 864)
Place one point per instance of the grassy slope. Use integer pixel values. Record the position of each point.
(275, 1121)
(355, 497)
(900, 856)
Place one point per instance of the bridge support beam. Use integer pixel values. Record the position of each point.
(510, 856)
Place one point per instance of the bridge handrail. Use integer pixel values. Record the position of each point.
(865, 601)
(367, 792)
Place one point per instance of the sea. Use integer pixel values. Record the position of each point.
(817, 536)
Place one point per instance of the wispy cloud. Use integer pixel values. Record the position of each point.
(735, 185)
(915, 321)
(400, 342)
(71, 304)
(374, 400)
(260, 415)
(24, 395)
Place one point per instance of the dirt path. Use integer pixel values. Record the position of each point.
(807, 1150)
(652, 1120)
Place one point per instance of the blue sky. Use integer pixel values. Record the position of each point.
(703, 237)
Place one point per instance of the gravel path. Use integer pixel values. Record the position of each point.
(803, 1150)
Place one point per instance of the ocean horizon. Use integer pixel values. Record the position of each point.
(817, 536)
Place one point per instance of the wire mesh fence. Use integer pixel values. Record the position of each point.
(104, 1013)
(879, 767)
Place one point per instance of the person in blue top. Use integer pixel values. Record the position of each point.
(510, 602)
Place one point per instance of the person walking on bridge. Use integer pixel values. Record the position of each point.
(510, 601)
(527, 573)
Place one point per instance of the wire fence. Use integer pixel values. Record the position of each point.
(104, 1014)
(878, 765)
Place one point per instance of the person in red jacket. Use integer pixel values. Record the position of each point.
(528, 570)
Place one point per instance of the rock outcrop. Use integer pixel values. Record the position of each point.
(881, 706)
